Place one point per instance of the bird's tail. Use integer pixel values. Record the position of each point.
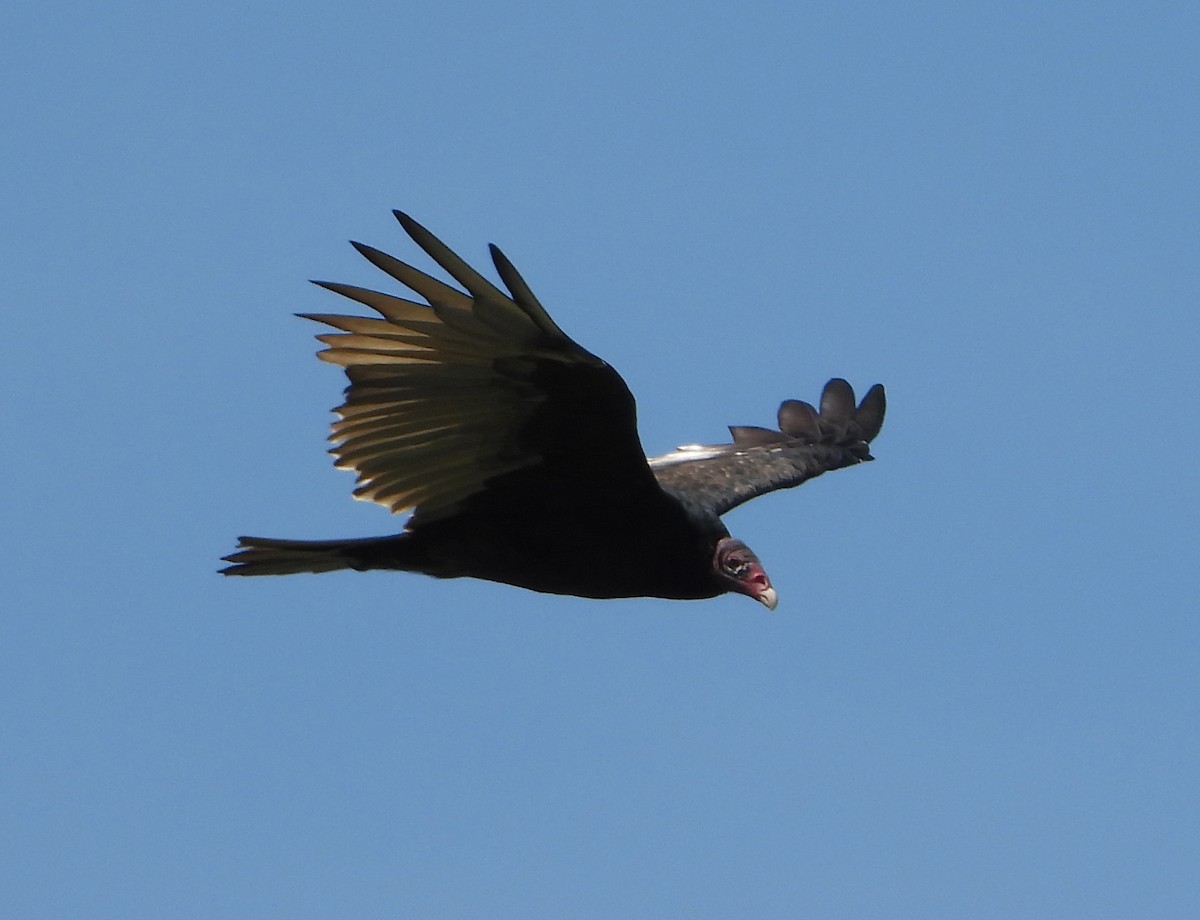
(268, 556)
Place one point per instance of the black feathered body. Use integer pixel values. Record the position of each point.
(538, 527)
(567, 546)
(517, 451)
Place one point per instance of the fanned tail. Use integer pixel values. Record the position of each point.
(268, 556)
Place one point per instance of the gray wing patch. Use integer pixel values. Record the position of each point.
(808, 442)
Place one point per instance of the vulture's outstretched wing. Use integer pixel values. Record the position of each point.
(760, 460)
(446, 396)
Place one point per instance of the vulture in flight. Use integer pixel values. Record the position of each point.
(517, 451)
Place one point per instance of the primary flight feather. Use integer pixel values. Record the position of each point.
(517, 451)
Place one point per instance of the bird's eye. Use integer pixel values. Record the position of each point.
(738, 569)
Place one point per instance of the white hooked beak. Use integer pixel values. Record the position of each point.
(768, 598)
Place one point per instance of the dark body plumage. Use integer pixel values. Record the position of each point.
(518, 453)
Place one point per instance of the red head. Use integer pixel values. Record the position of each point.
(738, 569)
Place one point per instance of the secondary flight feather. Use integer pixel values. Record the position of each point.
(517, 450)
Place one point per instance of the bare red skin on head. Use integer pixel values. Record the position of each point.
(739, 569)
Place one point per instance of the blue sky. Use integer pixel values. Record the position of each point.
(978, 697)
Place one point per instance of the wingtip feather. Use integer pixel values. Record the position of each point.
(798, 419)
(870, 412)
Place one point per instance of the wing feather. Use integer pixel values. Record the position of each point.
(449, 395)
(720, 477)
(477, 285)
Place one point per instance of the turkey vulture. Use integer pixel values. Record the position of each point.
(517, 451)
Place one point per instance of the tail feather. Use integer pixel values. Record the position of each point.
(269, 556)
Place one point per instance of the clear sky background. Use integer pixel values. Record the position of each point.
(979, 695)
